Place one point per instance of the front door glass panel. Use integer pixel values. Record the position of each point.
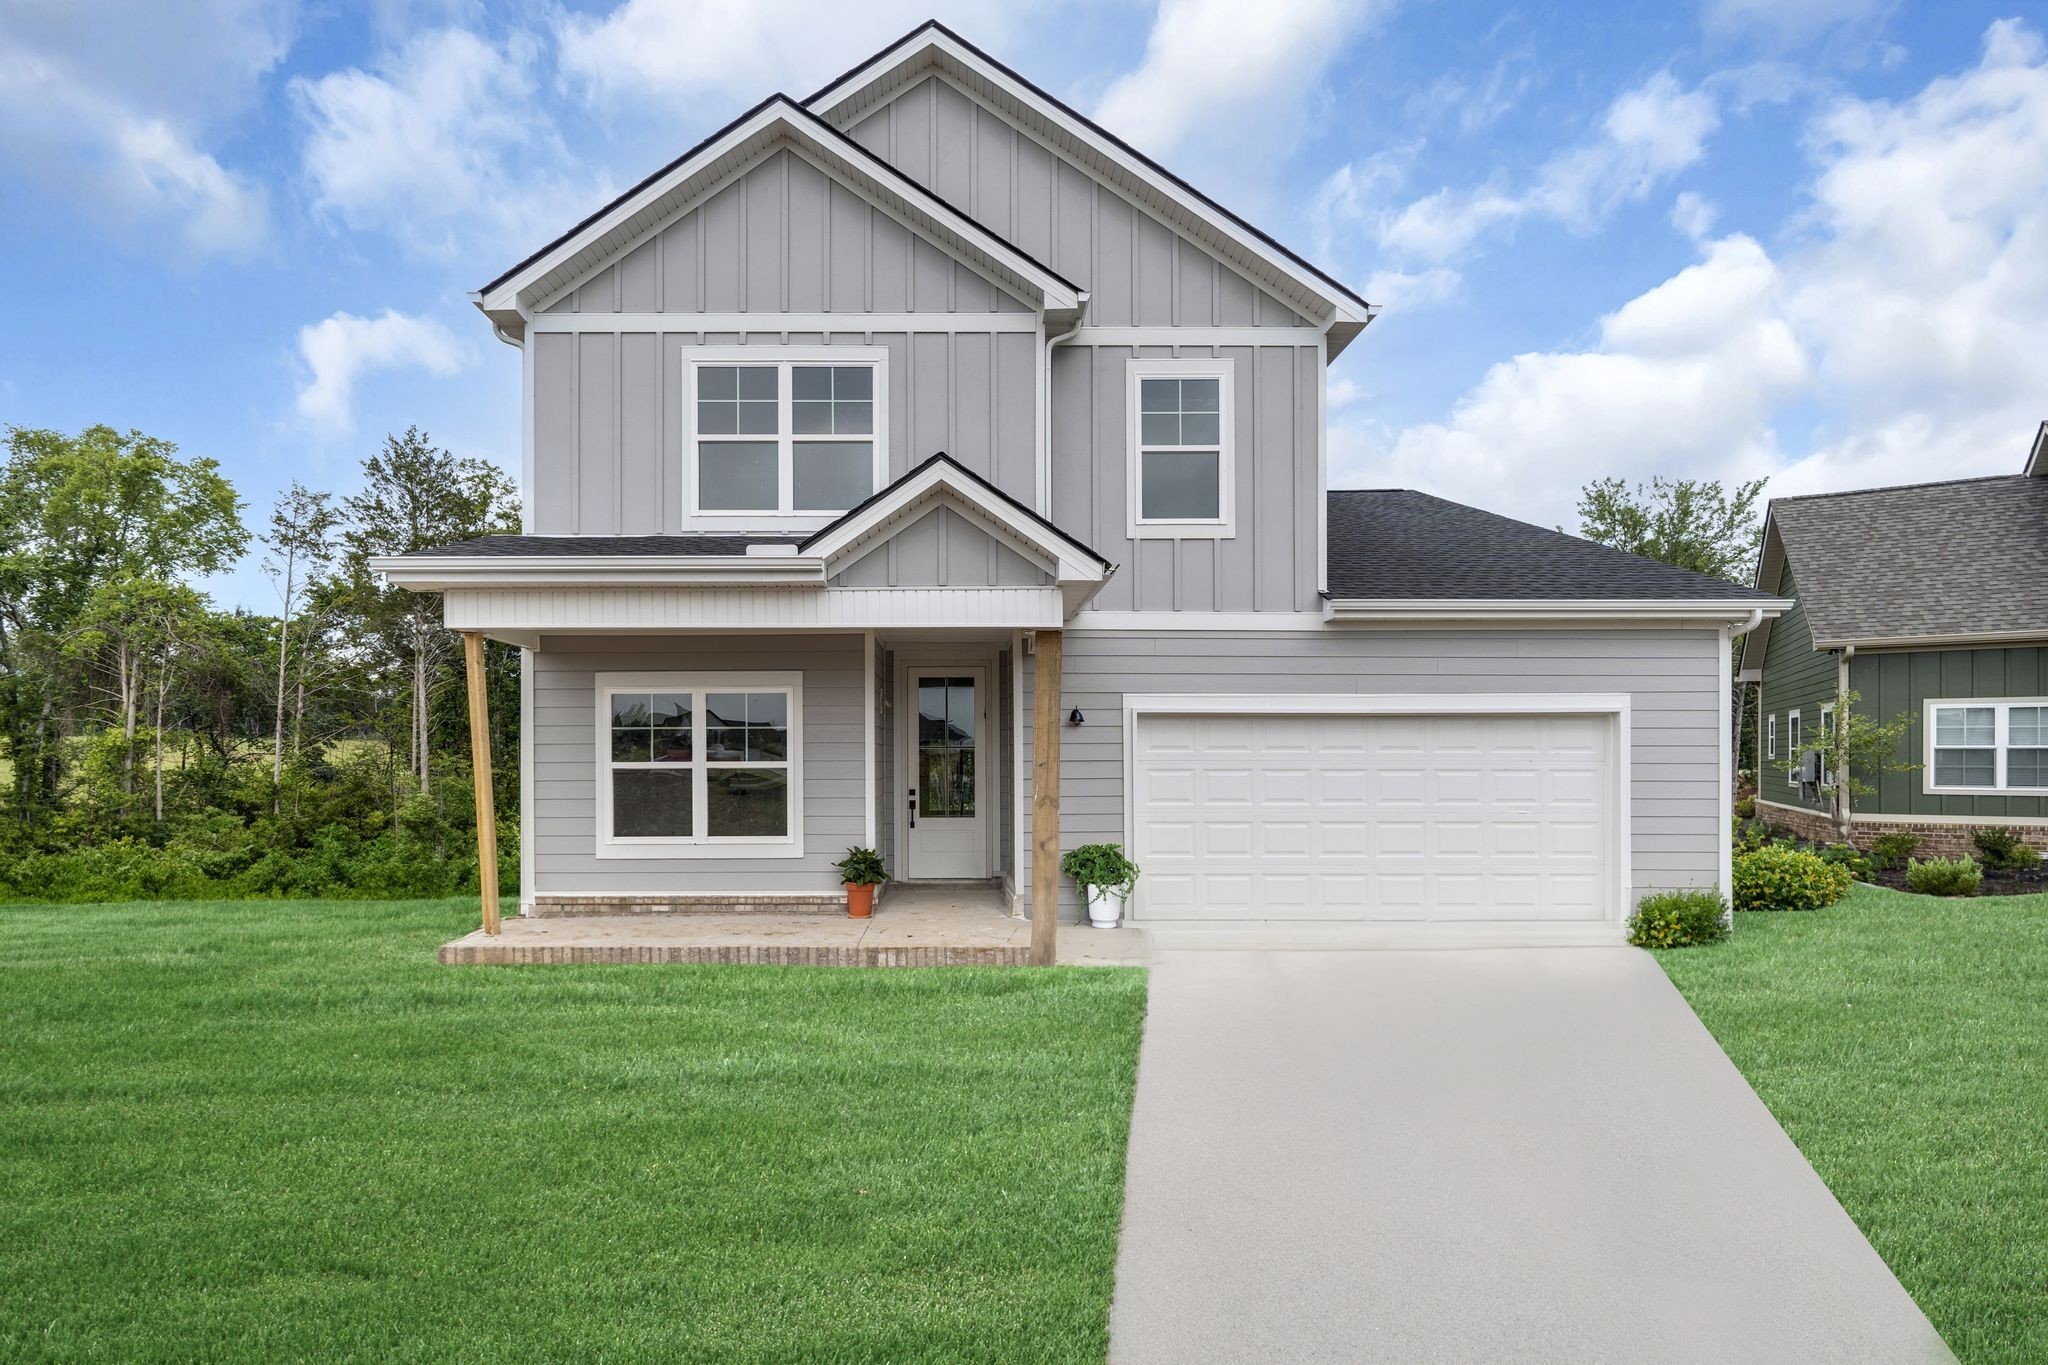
(945, 748)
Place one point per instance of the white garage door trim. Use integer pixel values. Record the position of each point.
(1613, 706)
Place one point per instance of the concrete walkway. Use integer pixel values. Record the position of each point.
(1514, 1155)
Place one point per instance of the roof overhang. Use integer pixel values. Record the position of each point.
(2035, 635)
(1078, 571)
(2037, 455)
(775, 123)
(419, 573)
(932, 47)
(1511, 611)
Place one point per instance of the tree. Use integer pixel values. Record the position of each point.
(1852, 746)
(1693, 523)
(92, 529)
(416, 496)
(298, 550)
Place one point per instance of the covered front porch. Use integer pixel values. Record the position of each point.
(912, 926)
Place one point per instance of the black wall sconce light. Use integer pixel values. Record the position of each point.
(1074, 717)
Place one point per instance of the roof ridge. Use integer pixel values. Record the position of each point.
(1902, 487)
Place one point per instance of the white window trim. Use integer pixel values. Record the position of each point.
(1792, 747)
(1222, 369)
(2001, 708)
(787, 846)
(1771, 737)
(783, 518)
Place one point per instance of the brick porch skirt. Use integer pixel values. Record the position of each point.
(546, 906)
(1936, 840)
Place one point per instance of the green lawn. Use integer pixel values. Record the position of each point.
(1903, 1043)
(277, 1131)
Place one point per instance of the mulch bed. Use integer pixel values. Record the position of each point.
(2027, 883)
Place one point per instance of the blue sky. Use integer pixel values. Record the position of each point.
(1802, 239)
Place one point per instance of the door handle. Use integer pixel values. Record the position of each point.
(911, 792)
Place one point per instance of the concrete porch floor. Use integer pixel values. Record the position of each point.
(911, 927)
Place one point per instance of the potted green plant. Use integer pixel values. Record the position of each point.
(862, 871)
(1105, 876)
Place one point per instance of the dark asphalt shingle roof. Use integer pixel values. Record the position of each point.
(1395, 543)
(1965, 557)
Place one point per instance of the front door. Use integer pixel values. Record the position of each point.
(947, 785)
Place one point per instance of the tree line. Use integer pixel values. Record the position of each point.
(154, 744)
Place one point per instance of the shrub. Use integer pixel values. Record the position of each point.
(2004, 850)
(1751, 835)
(1746, 808)
(1678, 919)
(1850, 857)
(1102, 866)
(1893, 850)
(1778, 878)
(1944, 876)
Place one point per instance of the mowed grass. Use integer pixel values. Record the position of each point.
(1903, 1043)
(280, 1131)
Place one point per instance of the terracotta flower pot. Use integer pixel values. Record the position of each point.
(860, 901)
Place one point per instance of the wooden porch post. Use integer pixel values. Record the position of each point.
(1045, 800)
(480, 764)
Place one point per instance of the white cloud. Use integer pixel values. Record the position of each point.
(1911, 316)
(113, 114)
(1238, 75)
(679, 50)
(1648, 135)
(1694, 215)
(343, 348)
(1682, 380)
(1785, 24)
(444, 147)
(1399, 289)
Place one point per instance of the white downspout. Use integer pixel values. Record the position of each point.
(1045, 417)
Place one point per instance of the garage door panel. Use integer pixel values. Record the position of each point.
(1374, 818)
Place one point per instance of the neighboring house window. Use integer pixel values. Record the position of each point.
(1792, 747)
(699, 765)
(776, 432)
(1182, 467)
(1771, 737)
(1988, 746)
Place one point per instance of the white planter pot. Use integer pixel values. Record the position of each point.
(1104, 906)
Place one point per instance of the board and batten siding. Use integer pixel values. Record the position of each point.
(1795, 677)
(942, 549)
(1889, 683)
(1139, 272)
(608, 416)
(567, 764)
(1673, 677)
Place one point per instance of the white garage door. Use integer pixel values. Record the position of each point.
(1425, 819)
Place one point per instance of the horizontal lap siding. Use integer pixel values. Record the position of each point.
(1901, 683)
(566, 762)
(1674, 679)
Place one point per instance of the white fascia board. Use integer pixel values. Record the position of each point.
(2032, 635)
(782, 117)
(598, 610)
(910, 500)
(522, 571)
(1379, 703)
(1341, 310)
(1397, 611)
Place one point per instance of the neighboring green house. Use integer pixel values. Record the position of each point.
(1929, 600)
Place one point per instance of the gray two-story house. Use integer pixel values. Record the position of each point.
(878, 412)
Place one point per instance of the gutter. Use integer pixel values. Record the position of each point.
(441, 573)
(1045, 417)
(1399, 611)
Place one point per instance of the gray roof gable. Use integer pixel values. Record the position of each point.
(1395, 544)
(1968, 557)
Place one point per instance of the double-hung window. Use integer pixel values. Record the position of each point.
(1987, 746)
(1792, 748)
(783, 432)
(699, 765)
(1827, 735)
(1182, 463)
(1770, 737)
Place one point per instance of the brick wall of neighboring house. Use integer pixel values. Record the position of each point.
(1936, 840)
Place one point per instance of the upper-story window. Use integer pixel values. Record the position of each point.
(777, 432)
(1182, 467)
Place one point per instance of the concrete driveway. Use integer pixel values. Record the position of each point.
(1527, 1154)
